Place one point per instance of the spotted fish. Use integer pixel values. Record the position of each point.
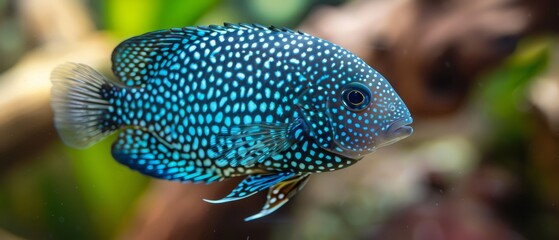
(203, 104)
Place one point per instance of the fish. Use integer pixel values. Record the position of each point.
(209, 103)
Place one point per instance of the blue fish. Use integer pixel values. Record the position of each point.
(203, 104)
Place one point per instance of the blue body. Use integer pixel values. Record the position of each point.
(209, 103)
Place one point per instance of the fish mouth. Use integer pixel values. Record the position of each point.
(397, 131)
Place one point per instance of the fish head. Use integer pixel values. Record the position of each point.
(357, 117)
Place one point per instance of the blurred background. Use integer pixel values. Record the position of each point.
(481, 78)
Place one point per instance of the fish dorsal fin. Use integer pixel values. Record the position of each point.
(280, 193)
(150, 155)
(139, 59)
(252, 185)
(245, 26)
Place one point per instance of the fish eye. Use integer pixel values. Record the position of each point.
(356, 96)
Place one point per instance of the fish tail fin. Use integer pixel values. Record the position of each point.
(80, 100)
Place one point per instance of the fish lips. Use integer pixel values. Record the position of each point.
(397, 131)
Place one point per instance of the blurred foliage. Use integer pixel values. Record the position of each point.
(108, 185)
(128, 17)
(504, 97)
(504, 90)
(64, 193)
(69, 194)
(12, 39)
(278, 12)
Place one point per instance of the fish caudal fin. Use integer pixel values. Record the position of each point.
(79, 98)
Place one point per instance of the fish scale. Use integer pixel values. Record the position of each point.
(209, 103)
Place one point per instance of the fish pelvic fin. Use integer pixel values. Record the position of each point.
(279, 194)
(281, 187)
(252, 185)
(80, 100)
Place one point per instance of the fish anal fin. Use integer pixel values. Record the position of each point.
(280, 194)
(142, 151)
(252, 185)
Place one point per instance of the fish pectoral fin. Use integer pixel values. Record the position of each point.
(246, 145)
(252, 185)
(143, 151)
(314, 109)
(318, 121)
(280, 193)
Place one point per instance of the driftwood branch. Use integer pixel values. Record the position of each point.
(65, 34)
